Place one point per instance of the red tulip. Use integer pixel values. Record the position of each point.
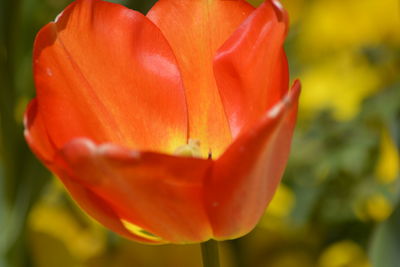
(119, 94)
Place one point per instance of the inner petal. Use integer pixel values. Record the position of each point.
(251, 68)
(106, 73)
(195, 30)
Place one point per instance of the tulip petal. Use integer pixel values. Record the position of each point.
(251, 69)
(160, 194)
(100, 209)
(105, 72)
(196, 29)
(36, 134)
(246, 176)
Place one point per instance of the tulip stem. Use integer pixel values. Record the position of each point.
(209, 251)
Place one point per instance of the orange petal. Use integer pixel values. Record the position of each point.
(99, 209)
(196, 29)
(246, 176)
(251, 67)
(161, 195)
(36, 134)
(105, 72)
(37, 138)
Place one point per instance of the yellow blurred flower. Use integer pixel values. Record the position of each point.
(378, 207)
(375, 207)
(282, 203)
(333, 24)
(279, 209)
(330, 38)
(345, 253)
(388, 166)
(80, 236)
(339, 83)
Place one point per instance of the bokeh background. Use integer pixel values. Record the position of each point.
(338, 205)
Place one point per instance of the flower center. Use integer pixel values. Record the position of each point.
(191, 149)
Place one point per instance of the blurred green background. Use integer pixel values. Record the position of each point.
(338, 205)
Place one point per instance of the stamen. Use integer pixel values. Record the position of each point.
(191, 149)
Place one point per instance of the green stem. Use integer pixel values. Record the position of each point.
(209, 251)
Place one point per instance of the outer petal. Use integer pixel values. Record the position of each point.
(251, 69)
(196, 29)
(37, 138)
(160, 195)
(105, 72)
(36, 133)
(245, 177)
(99, 209)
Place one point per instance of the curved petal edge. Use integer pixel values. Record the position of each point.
(245, 177)
(251, 68)
(159, 197)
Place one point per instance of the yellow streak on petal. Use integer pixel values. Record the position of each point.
(136, 230)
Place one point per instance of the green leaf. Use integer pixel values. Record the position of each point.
(385, 245)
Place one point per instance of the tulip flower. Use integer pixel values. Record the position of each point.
(174, 127)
